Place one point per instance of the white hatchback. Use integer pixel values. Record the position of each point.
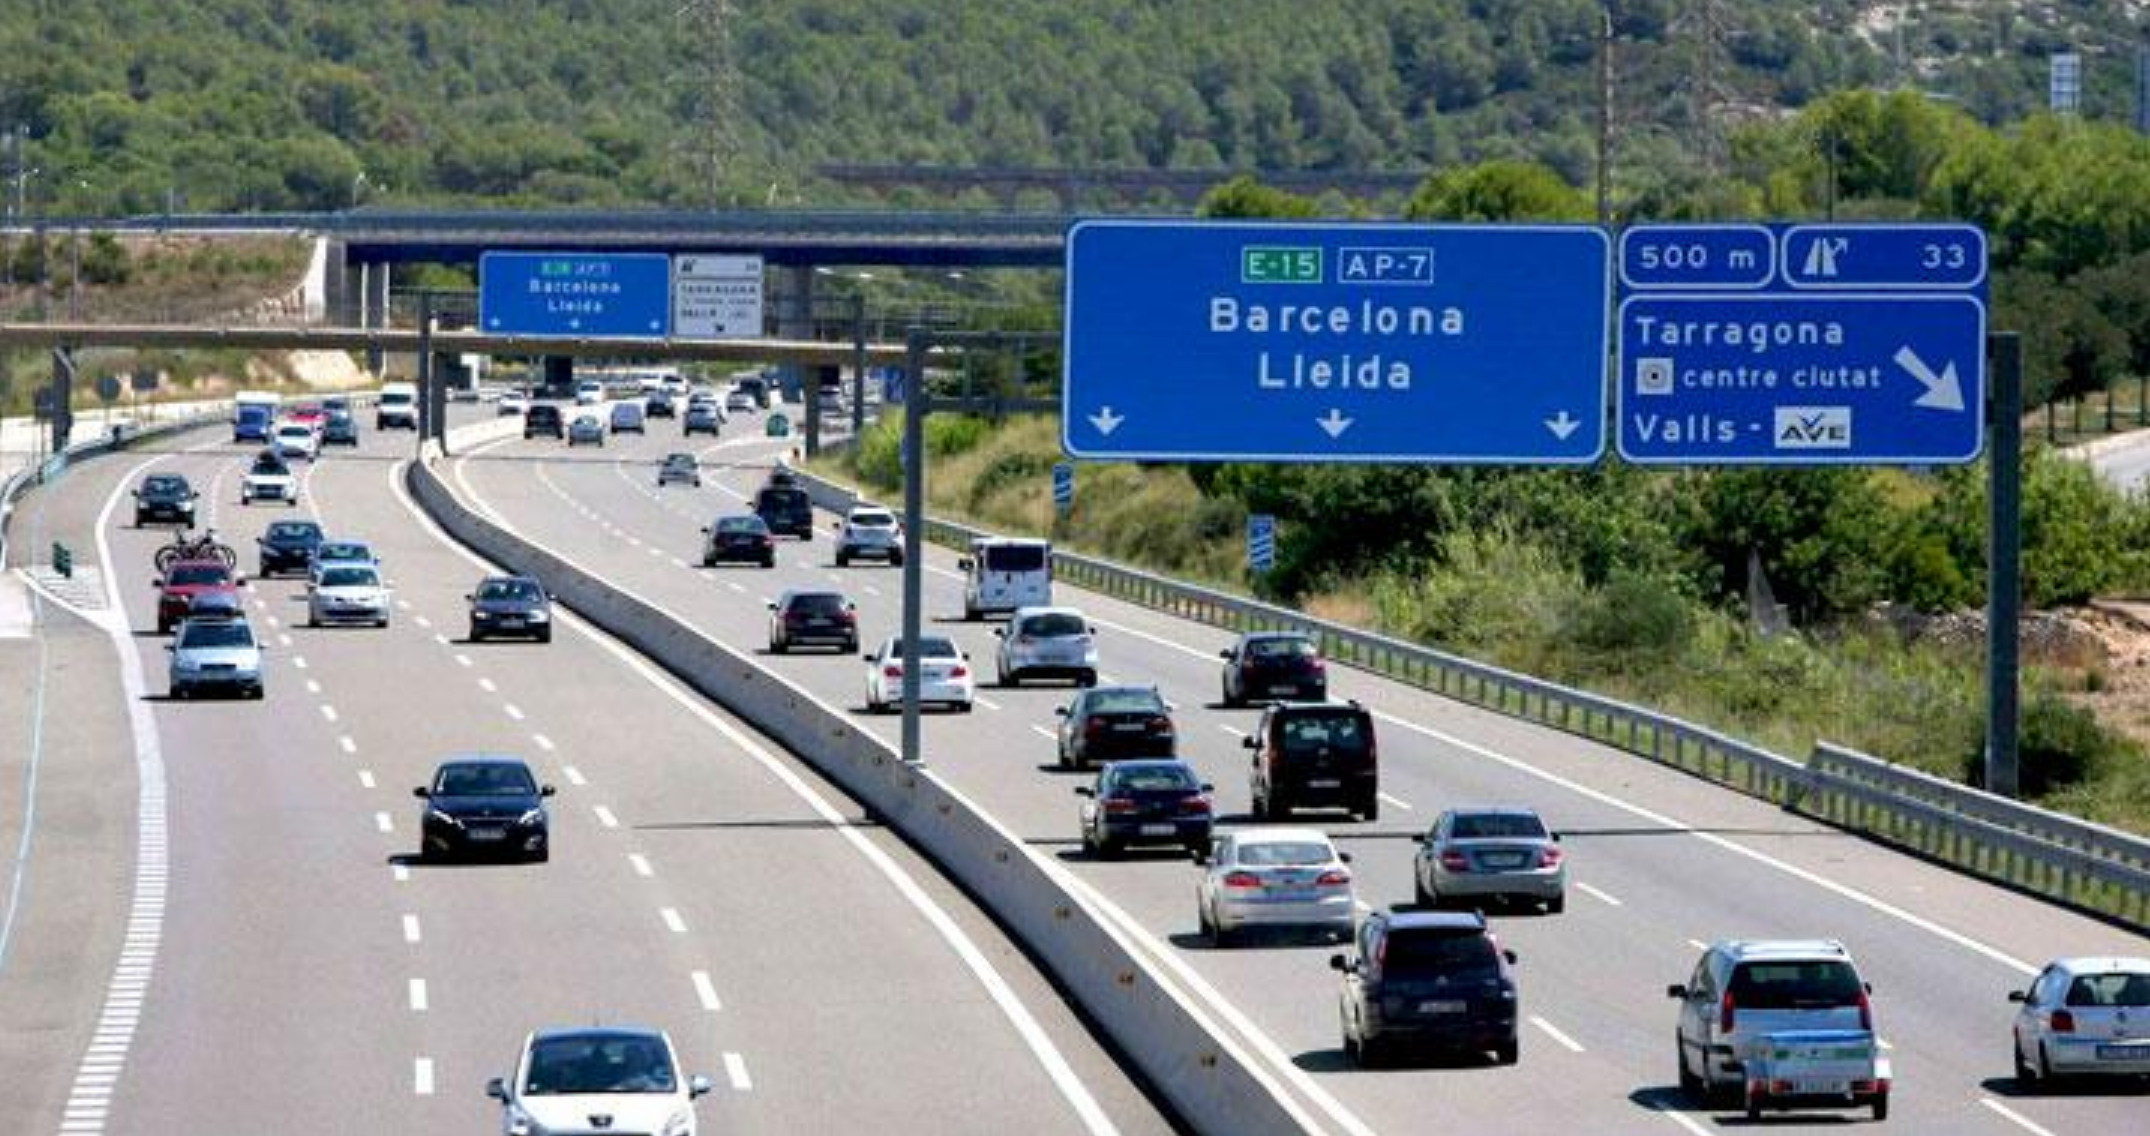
(944, 675)
(2084, 1017)
(604, 1079)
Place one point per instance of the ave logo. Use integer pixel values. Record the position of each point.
(1813, 428)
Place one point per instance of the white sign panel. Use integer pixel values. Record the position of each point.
(716, 297)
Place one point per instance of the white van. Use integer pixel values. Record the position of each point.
(1003, 574)
(398, 407)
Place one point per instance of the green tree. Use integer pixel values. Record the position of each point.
(1499, 191)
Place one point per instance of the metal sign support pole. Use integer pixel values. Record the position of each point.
(858, 365)
(915, 402)
(2004, 549)
(425, 368)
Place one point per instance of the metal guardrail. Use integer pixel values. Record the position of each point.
(2061, 858)
(118, 437)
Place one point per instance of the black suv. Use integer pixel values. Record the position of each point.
(164, 497)
(543, 418)
(1434, 979)
(1274, 664)
(1314, 754)
(786, 510)
(288, 546)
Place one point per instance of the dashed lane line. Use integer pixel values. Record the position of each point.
(735, 1069)
(574, 776)
(672, 921)
(1399, 802)
(605, 817)
(420, 1001)
(640, 864)
(542, 742)
(1598, 894)
(411, 932)
(422, 1076)
(2013, 1117)
(1552, 1031)
(705, 991)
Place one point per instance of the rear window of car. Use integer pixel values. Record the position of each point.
(1280, 648)
(1807, 984)
(934, 648)
(344, 552)
(267, 465)
(1342, 731)
(818, 603)
(1054, 625)
(783, 499)
(741, 525)
(294, 431)
(1448, 952)
(1283, 853)
(1480, 826)
(873, 520)
(1151, 778)
(2129, 990)
(1125, 702)
(189, 574)
(551, 413)
(1014, 557)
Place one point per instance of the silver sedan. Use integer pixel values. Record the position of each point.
(1274, 877)
(2084, 1017)
(1492, 853)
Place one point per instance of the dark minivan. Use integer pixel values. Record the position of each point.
(786, 510)
(1314, 755)
(1432, 979)
(543, 418)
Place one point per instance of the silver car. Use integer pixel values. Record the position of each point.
(215, 654)
(347, 593)
(1274, 877)
(2084, 1017)
(1491, 853)
(1047, 642)
(869, 532)
(1744, 989)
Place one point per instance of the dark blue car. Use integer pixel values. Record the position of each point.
(1155, 801)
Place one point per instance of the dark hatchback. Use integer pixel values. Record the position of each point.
(1266, 665)
(485, 806)
(659, 405)
(1314, 755)
(1152, 801)
(701, 418)
(786, 510)
(797, 619)
(1108, 723)
(288, 546)
(510, 606)
(738, 539)
(543, 418)
(164, 497)
(340, 430)
(1435, 980)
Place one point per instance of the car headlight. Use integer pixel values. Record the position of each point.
(681, 1123)
(481, 615)
(186, 665)
(540, 616)
(531, 817)
(520, 1124)
(444, 818)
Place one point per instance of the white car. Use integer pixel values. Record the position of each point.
(589, 393)
(600, 1078)
(296, 440)
(2084, 1017)
(944, 675)
(215, 654)
(870, 532)
(341, 553)
(1274, 877)
(347, 593)
(739, 402)
(513, 404)
(269, 479)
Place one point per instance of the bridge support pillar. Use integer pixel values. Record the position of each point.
(373, 310)
(794, 319)
(339, 289)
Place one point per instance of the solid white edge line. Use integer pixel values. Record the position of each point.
(1552, 1031)
(2014, 1117)
(1040, 1044)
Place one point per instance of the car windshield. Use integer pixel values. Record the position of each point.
(268, 465)
(507, 590)
(1794, 984)
(488, 780)
(741, 525)
(606, 1063)
(1446, 953)
(686, 460)
(342, 550)
(783, 499)
(1151, 778)
(1284, 853)
(2129, 990)
(928, 648)
(164, 485)
(294, 431)
(196, 574)
(216, 634)
(1014, 557)
(294, 530)
(817, 603)
(347, 578)
(1125, 702)
(1479, 826)
(1308, 733)
(1054, 625)
(873, 520)
(1280, 648)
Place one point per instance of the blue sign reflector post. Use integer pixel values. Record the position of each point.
(1063, 486)
(1233, 341)
(575, 295)
(1261, 542)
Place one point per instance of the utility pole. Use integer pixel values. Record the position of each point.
(1705, 29)
(713, 102)
(1605, 100)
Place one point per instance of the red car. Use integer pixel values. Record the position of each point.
(187, 580)
(309, 413)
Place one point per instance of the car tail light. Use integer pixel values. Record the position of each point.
(1781, 1087)
(1317, 666)
(1093, 726)
(1334, 877)
(1549, 857)
(892, 671)
(1725, 1013)
(2063, 1022)
(1866, 1012)
(1161, 725)
(1242, 880)
(1197, 806)
(959, 672)
(1118, 805)
(1865, 1085)
(851, 617)
(1455, 861)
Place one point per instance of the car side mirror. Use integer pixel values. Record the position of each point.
(156, 581)
(1341, 964)
(171, 646)
(1199, 855)
(1676, 990)
(1225, 654)
(239, 581)
(771, 605)
(422, 793)
(1867, 986)
(1085, 791)
(1510, 956)
(470, 597)
(964, 564)
(2018, 996)
(497, 1089)
(871, 658)
(1556, 838)
(1418, 838)
(1061, 711)
(547, 790)
(1250, 743)
(705, 529)
(698, 1086)
(1344, 856)
(1208, 788)
(1000, 633)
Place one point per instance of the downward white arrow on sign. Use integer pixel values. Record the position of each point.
(1335, 423)
(1943, 391)
(1563, 425)
(1106, 421)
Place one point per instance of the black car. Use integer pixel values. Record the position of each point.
(797, 619)
(510, 606)
(543, 419)
(1267, 665)
(485, 806)
(1154, 801)
(734, 539)
(786, 510)
(756, 388)
(658, 405)
(164, 497)
(340, 430)
(1108, 723)
(1436, 980)
(1314, 754)
(701, 418)
(288, 546)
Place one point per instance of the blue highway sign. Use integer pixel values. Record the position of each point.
(575, 295)
(1229, 341)
(1063, 486)
(1866, 346)
(1261, 542)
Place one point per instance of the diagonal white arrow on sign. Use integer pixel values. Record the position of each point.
(1943, 391)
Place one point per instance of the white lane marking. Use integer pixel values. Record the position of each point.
(605, 817)
(422, 1076)
(735, 586)
(513, 711)
(1399, 802)
(348, 744)
(1553, 1032)
(706, 991)
(312, 687)
(275, 622)
(440, 638)
(328, 712)
(672, 921)
(1042, 732)
(640, 864)
(462, 660)
(418, 995)
(1232, 730)
(2014, 1117)
(543, 742)
(870, 590)
(678, 563)
(574, 776)
(1669, 1112)
(486, 685)
(401, 872)
(1041, 1046)
(735, 1068)
(299, 661)
(1600, 895)
(283, 640)
(365, 779)
(1886, 1045)
(1698, 944)
(384, 822)
(982, 700)
(404, 604)
(422, 621)
(411, 932)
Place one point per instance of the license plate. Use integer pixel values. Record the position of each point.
(1325, 783)
(1440, 1007)
(1504, 860)
(2124, 1052)
(483, 834)
(1128, 727)
(1820, 1086)
(1284, 688)
(1159, 829)
(1291, 895)
(510, 621)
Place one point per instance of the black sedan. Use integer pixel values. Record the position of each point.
(1158, 801)
(1274, 665)
(288, 546)
(741, 538)
(164, 497)
(1107, 723)
(485, 806)
(797, 619)
(510, 606)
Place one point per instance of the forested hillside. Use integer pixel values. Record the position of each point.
(134, 105)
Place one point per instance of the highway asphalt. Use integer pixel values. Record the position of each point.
(1661, 862)
(306, 972)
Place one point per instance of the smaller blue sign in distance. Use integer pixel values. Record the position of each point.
(1697, 258)
(575, 295)
(1242, 341)
(1063, 486)
(1801, 379)
(1261, 542)
(1876, 258)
